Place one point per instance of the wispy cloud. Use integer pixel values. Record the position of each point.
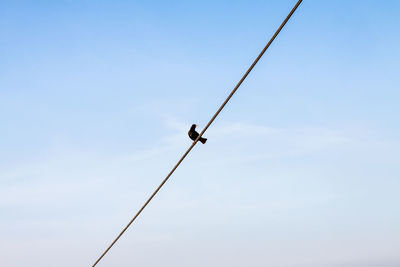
(71, 190)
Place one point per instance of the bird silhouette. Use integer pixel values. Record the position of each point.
(193, 134)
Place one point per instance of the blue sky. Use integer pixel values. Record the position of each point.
(301, 169)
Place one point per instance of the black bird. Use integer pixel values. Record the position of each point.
(193, 134)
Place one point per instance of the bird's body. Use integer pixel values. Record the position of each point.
(193, 134)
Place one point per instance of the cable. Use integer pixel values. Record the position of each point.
(202, 132)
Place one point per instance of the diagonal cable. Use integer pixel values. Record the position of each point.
(202, 132)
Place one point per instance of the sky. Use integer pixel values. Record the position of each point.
(302, 167)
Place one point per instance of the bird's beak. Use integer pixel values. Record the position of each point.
(195, 125)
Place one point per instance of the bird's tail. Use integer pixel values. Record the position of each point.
(203, 140)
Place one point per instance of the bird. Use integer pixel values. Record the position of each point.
(193, 134)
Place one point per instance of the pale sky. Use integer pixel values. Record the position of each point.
(302, 168)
